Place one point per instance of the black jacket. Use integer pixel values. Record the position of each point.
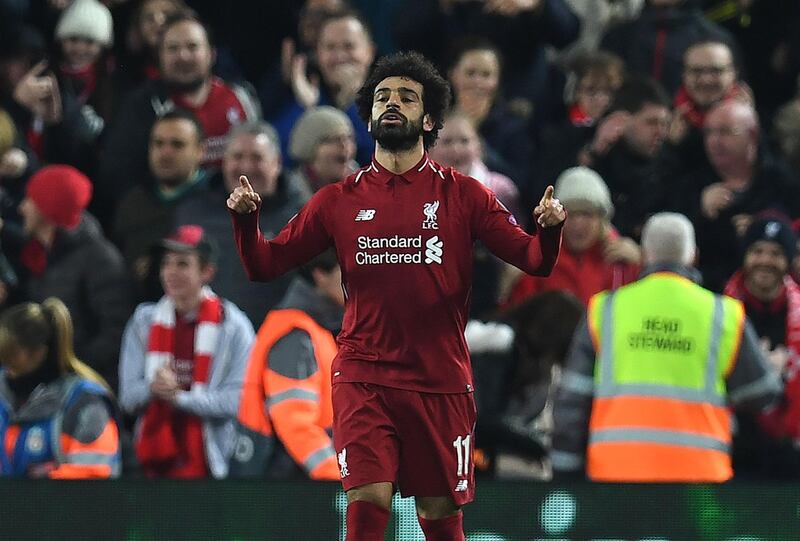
(774, 187)
(639, 44)
(87, 273)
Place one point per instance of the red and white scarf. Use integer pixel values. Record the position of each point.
(697, 116)
(783, 420)
(157, 444)
(160, 347)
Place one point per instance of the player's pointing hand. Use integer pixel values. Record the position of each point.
(549, 211)
(244, 199)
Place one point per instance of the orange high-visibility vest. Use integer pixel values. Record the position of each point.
(298, 412)
(664, 349)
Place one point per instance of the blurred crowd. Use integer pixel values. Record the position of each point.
(124, 124)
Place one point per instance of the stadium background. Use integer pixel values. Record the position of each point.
(130, 510)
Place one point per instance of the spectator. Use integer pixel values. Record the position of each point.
(344, 53)
(521, 29)
(786, 132)
(275, 86)
(641, 399)
(140, 59)
(743, 180)
(58, 415)
(254, 151)
(85, 33)
(16, 165)
(49, 118)
(147, 213)
(766, 446)
(66, 256)
(515, 397)
(286, 402)
(594, 257)
(627, 152)
(475, 76)
(182, 366)
(323, 147)
(16, 161)
(592, 84)
(460, 147)
(186, 56)
(765, 286)
(709, 77)
(20, 48)
(654, 43)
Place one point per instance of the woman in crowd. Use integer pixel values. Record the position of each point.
(140, 57)
(57, 415)
(475, 75)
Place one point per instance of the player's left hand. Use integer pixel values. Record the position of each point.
(549, 211)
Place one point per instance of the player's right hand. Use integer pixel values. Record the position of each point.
(244, 199)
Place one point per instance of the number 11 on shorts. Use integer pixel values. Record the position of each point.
(461, 444)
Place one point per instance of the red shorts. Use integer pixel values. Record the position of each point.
(420, 442)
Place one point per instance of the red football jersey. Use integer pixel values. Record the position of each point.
(225, 107)
(404, 243)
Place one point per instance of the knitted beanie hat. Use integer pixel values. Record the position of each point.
(581, 185)
(315, 126)
(61, 193)
(773, 230)
(86, 19)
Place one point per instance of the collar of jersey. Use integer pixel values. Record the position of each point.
(418, 171)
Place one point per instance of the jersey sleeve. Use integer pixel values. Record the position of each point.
(494, 225)
(305, 236)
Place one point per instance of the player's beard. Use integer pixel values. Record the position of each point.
(397, 137)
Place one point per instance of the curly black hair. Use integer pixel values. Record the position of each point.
(435, 88)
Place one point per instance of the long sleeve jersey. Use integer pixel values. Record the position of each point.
(404, 243)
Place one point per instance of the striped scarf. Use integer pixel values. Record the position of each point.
(162, 336)
(157, 446)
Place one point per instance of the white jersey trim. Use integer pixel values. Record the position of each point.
(437, 171)
(371, 167)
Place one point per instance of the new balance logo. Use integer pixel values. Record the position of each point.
(365, 215)
(342, 458)
(433, 250)
(461, 486)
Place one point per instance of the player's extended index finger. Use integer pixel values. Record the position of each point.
(244, 183)
(548, 196)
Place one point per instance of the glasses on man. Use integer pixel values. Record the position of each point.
(714, 71)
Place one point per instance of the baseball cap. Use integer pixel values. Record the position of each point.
(191, 238)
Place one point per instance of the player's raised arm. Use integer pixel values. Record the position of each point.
(534, 254)
(301, 239)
